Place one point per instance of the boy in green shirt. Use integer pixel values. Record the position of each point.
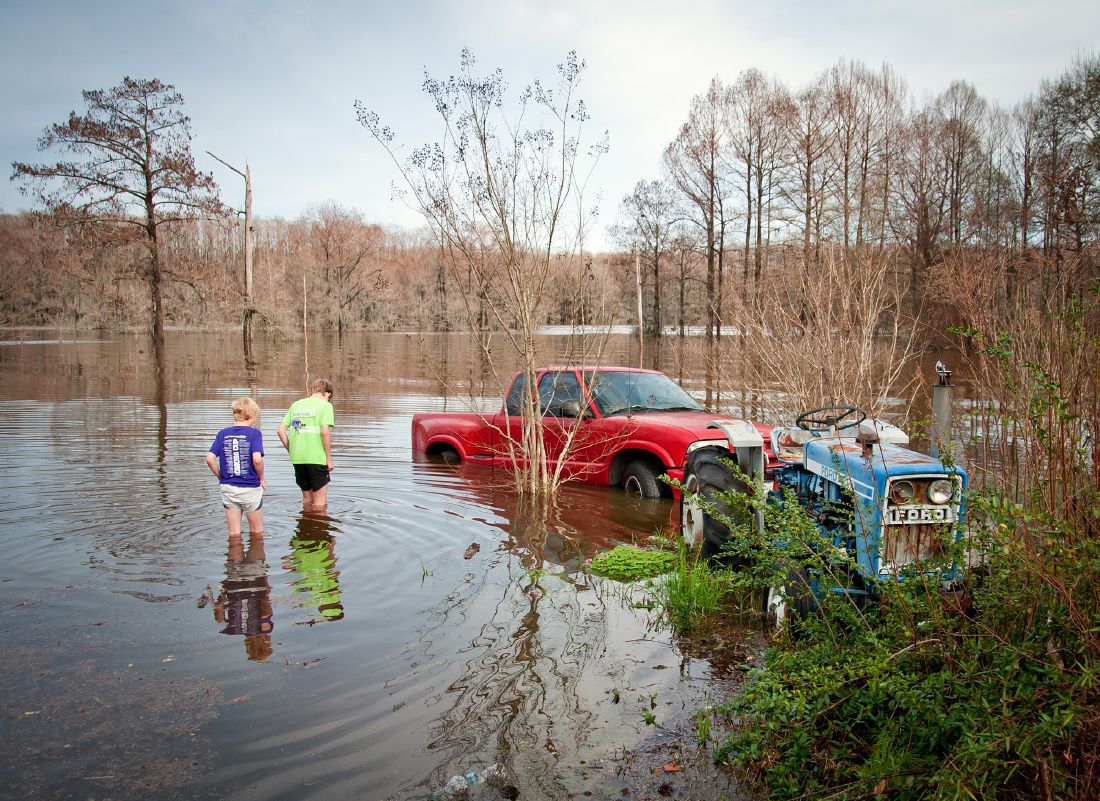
(305, 433)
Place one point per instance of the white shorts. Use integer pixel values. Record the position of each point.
(246, 499)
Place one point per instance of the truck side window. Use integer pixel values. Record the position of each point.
(554, 389)
(513, 405)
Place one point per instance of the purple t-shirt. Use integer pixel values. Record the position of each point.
(234, 447)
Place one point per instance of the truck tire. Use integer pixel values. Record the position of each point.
(640, 481)
(708, 476)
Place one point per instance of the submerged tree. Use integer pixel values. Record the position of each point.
(696, 160)
(648, 218)
(131, 165)
(503, 192)
(344, 248)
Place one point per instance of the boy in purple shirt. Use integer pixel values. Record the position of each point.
(237, 460)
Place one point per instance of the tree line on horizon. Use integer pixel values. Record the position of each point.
(761, 186)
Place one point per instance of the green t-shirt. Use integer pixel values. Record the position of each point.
(303, 420)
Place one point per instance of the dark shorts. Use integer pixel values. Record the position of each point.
(310, 477)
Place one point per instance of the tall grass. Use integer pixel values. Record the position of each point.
(693, 590)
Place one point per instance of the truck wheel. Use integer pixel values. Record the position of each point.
(450, 455)
(707, 475)
(640, 481)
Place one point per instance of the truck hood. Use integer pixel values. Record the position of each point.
(693, 423)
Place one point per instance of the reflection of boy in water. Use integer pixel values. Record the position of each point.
(244, 605)
(312, 556)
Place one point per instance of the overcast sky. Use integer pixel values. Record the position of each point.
(275, 82)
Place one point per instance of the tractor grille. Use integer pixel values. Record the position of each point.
(913, 543)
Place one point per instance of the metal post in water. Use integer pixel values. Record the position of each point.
(941, 409)
(641, 319)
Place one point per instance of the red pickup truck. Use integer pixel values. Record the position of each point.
(628, 427)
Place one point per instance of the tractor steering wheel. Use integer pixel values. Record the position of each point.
(830, 416)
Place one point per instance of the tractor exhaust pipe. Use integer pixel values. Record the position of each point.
(941, 410)
(867, 440)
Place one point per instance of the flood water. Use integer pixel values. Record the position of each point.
(352, 655)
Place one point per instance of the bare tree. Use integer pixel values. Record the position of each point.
(696, 161)
(249, 230)
(866, 117)
(501, 196)
(760, 117)
(961, 115)
(922, 190)
(851, 345)
(648, 218)
(343, 245)
(1024, 155)
(132, 165)
(809, 172)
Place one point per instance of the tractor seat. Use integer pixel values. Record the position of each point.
(787, 443)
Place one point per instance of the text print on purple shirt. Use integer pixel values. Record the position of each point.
(234, 447)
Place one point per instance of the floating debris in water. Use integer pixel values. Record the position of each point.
(496, 774)
(473, 549)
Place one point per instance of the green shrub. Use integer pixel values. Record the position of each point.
(910, 699)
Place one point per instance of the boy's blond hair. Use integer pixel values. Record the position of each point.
(245, 409)
(321, 385)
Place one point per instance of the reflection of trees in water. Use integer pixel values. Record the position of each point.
(517, 700)
(161, 401)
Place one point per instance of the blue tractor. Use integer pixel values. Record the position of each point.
(889, 512)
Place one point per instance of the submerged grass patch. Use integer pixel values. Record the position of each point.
(630, 563)
(685, 587)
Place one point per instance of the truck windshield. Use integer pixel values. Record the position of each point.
(627, 392)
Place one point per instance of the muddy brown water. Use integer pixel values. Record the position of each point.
(356, 654)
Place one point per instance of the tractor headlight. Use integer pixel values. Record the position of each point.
(902, 492)
(940, 490)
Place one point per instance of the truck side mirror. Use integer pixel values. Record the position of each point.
(569, 408)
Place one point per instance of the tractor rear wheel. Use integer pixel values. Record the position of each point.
(706, 476)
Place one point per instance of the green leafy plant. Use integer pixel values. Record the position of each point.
(630, 563)
(915, 697)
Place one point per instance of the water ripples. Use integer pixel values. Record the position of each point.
(364, 652)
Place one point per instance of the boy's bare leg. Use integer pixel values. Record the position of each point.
(233, 520)
(320, 498)
(307, 499)
(255, 523)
